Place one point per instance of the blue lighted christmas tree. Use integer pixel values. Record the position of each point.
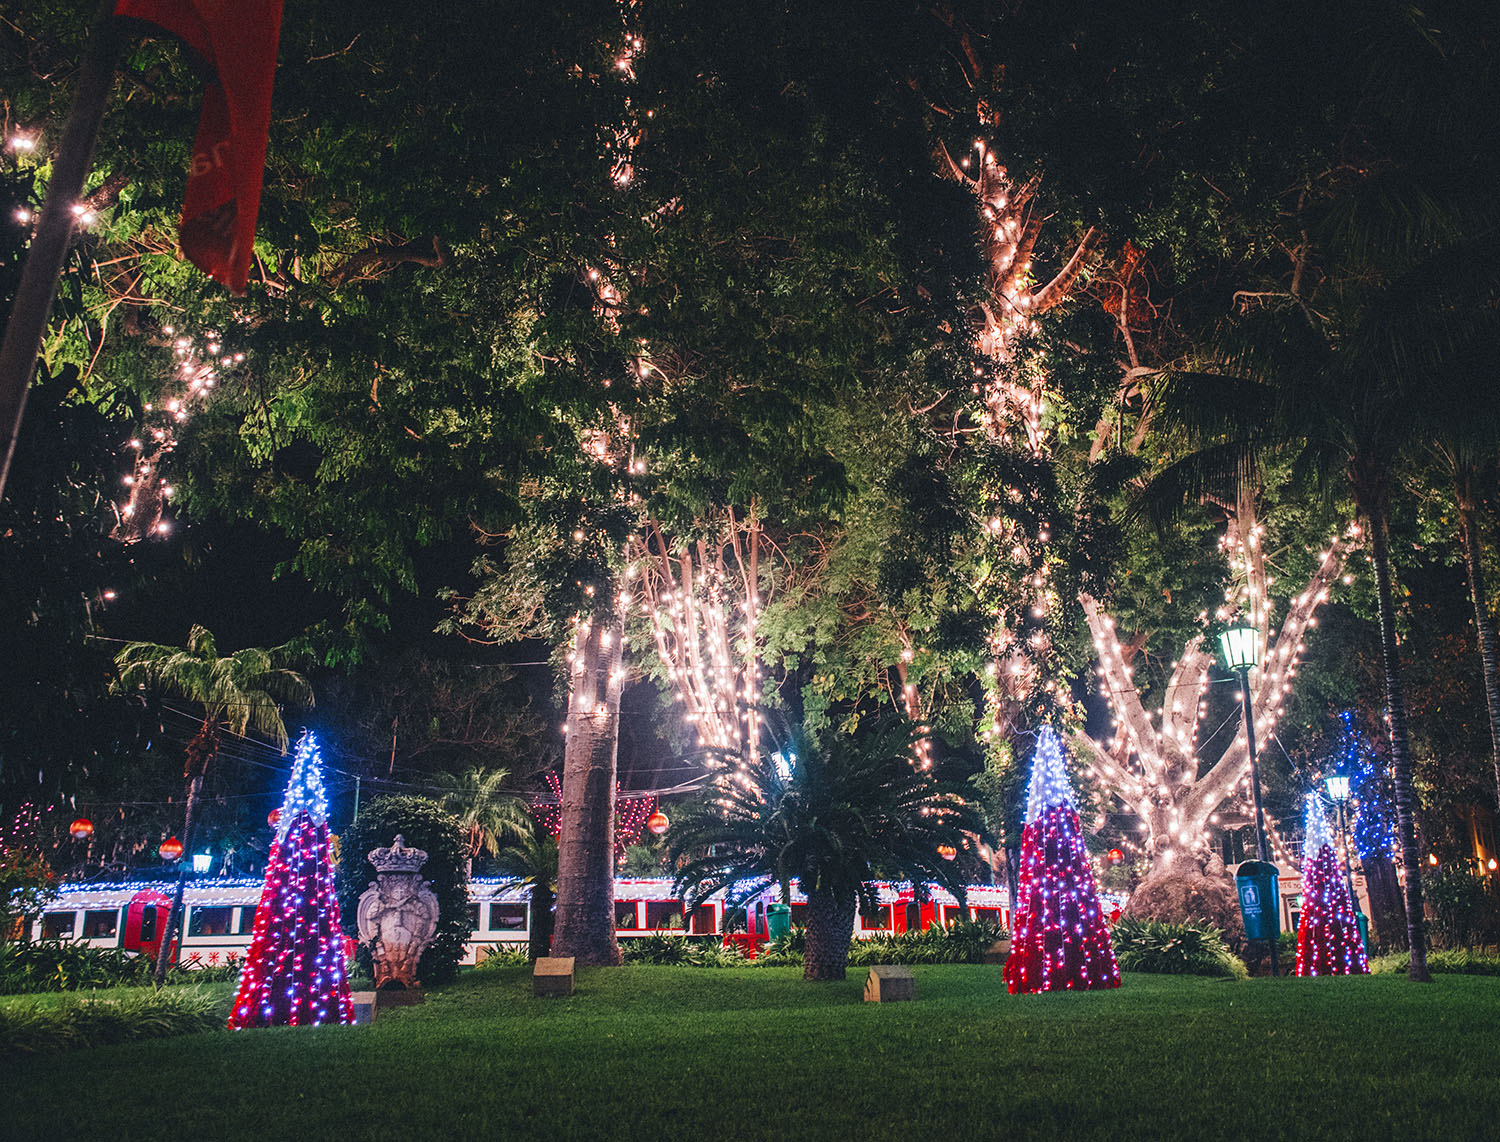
(1060, 941)
(1328, 939)
(294, 971)
(1374, 826)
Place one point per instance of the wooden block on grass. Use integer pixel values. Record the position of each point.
(553, 975)
(890, 983)
(998, 952)
(364, 1005)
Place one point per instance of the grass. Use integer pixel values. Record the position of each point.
(748, 1053)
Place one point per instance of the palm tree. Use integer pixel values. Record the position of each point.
(239, 693)
(532, 856)
(488, 815)
(847, 814)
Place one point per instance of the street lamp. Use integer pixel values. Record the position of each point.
(1241, 649)
(1338, 790)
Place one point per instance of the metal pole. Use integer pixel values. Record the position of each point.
(49, 242)
(1262, 851)
(1348, 876)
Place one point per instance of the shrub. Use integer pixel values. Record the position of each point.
(1174, 949)
(426, 827)
(505, 955)
(1462, 908)
(962, 943)
(96, 1021)
(784, 951)
(62, 965)
(1455, 961)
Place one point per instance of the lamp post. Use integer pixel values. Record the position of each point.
(1338, 790)
(1241, 649)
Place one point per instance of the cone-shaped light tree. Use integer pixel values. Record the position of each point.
(1328, 939)
(294, 971)
(1060, 939)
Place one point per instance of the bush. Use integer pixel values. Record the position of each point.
(1174, 949)
(501, 956)
(784, 951)
(62, 965)
(426, 827)
(962, 943)
(1453, 962)
(95, 1021)
(1463, 911)
(685, 951)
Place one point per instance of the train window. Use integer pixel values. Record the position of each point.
(57, 925)
(664, 914)
(507, 917)
(953, 913)
(209, 921)
(473, 917)
(878, 920)
(989, 916)
(625, 916)
(101, 924)
(247, 919)
(148, 923)
(703, 919)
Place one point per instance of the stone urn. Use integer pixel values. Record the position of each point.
(397, 914)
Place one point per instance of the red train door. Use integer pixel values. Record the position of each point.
(145, 919)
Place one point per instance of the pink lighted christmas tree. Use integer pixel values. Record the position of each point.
(1060, 941)
(294, 971)
(1328, 939)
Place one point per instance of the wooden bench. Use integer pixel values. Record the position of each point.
(553, 975)
(890, 983)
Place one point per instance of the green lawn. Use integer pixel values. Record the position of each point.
(684, 1053)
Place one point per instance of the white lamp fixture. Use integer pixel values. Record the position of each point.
(1240, 647)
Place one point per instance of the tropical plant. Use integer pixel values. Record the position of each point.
(1463, 907)
(241, 692)
(532, 857)
(963, 943)
(1174, 949)
(848, 812)
(487, 814)
(94, 1021)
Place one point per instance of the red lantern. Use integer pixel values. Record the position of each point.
(1115, 856)
(947, 852)
(273, 818)
(81, 829)
(170, 850)
(657, 823)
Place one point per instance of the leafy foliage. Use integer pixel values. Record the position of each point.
(424, 826)
(1174, 949)
(1452, 961)
(68, 965)
(1464, 906)
(683, 951)
(963, 943)
(96, 1021)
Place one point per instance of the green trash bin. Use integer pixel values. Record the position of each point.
(778, 920)
(1260, 904)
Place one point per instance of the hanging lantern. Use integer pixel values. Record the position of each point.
(1115, 856)
(657, 823)
(273, 818)
(81, 829)
(170, 849)
(947, 852)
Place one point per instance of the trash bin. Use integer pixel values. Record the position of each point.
(1260, 905)
(778, 920)
(1364, 930)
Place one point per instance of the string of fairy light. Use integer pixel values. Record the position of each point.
(1150, 761)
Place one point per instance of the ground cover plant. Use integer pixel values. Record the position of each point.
(98, 1018)
(644, 1051)
(64, 965)
(1454, 961)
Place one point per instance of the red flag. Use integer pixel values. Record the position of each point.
(236, 40)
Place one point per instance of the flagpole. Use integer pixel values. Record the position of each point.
(49, 243)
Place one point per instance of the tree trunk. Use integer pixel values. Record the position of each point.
(539, 942)
(174, 914)
(585, 926)
(1401, 773)
(1386, 912)
(830, 927)
(1489, 653)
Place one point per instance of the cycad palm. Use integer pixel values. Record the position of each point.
(488, 814)
(849, 813)
(240, 693)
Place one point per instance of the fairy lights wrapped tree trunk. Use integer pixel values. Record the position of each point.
(1328, 939)
(294, 971)
(1060, 941)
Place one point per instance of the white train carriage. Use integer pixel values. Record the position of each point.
(220, 914)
